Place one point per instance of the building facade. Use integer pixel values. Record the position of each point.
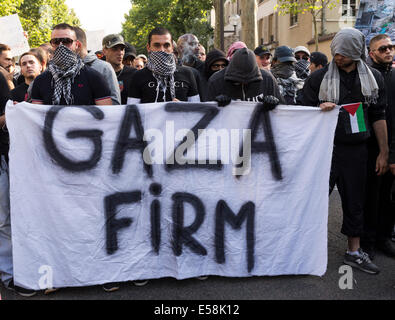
(292, 30)
(295, 30)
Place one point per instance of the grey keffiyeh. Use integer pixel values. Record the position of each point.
(64, 67)
(163, 66)
(350, 43)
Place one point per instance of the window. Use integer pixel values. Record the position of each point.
(348, 8)
(293, 17)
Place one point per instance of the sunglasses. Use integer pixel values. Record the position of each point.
(217, 66)
(383, 49)
(58, 41)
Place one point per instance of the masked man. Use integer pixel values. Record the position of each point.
(67, 81)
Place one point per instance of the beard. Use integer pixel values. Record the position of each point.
(380, 60)
(344, 65)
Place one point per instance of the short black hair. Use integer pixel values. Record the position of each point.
(159, 31)
(63, 26)
(81, 36)
(4, 47)
(379, 37)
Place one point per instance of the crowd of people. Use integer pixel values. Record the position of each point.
(64, 72)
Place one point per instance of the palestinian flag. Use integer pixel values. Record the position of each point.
(357, 118)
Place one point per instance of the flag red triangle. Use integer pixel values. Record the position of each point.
(351, 108)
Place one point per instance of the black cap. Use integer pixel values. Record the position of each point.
(261, 50)
(318, 58)
(284, 54)
(130, 51)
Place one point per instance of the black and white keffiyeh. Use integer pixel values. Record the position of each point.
(64, 67)
(302, 69)
(163, 66)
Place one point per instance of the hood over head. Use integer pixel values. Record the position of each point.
(213, 56)
(243, 67)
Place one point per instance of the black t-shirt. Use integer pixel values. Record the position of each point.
(124, 77)
(88, 88)
(143, 86)
(19, 94)
(4, 96)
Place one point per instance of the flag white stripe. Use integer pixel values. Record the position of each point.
(354, 123)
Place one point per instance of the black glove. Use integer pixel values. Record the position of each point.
(223, 100)
(269, 102)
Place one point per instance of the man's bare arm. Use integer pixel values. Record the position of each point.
(380, 129)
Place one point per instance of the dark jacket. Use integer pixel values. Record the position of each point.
(4, 96)
(243, 80)
(350, 92)
(388, 74)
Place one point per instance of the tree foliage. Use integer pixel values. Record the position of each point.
(39, 16)
(314, 7)
(179, 16)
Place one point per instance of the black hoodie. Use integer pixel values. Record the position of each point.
(243, 80)
(213, 56)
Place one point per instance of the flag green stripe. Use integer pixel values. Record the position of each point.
(361, 119)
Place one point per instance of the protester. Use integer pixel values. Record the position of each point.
(47, 47)
(104, 68)
(138, 64)
(202, 53)
(243, 80)
(283, 70)
(130, 55)
(263, 55)
(302, 55)
(143, 57)
(215, 61)
(379, 211)
(318, 60)
(99, 54)
(42, 57)
(233, 48)
(162, 79)
(349, 80)
(6, 266)
(31, 67)
(188, 52)
(67, 81)
(114, 51)
(188, 55)
(6, 65)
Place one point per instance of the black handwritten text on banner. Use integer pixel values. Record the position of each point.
(104, 194)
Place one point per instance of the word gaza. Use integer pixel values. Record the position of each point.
(132, 120)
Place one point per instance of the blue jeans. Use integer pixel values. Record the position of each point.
(6, 270)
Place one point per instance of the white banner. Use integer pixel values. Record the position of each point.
(11, 34)
(95, 39)
(101, 194)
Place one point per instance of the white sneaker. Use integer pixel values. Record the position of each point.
(140, 283)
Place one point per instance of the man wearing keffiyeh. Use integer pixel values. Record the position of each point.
(347, 80)
(67, 80)
(162, 80)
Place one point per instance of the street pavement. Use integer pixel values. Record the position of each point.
(365, 286)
